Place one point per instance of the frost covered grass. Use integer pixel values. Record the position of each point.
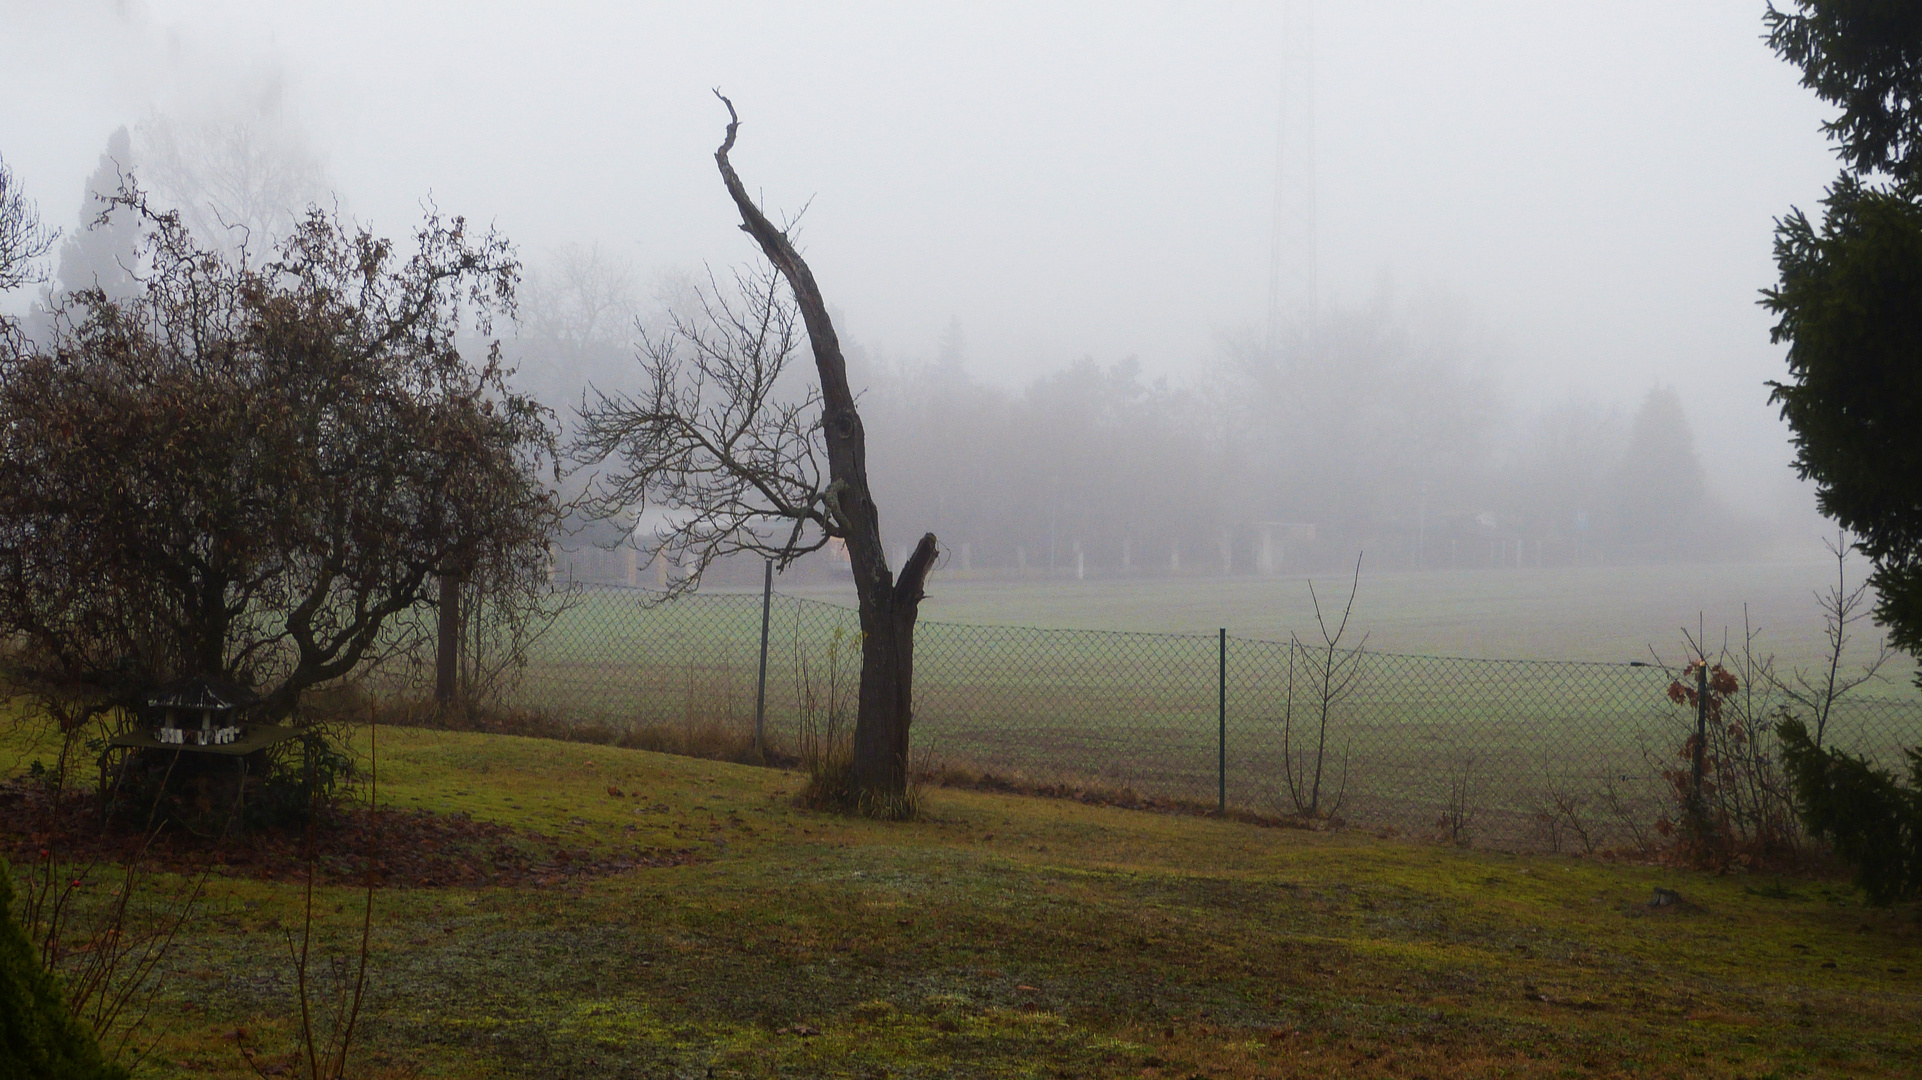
(1003, 936)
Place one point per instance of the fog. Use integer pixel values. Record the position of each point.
(1538, 234)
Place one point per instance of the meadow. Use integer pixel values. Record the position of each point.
(1483, 698)
(1000, 936)
(1604, 614)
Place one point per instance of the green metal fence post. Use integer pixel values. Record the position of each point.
(760, 691)
(1221, 764)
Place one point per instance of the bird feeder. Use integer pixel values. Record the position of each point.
(198, 716)
(198, 713)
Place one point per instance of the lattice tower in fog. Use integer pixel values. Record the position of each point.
(1292, 299)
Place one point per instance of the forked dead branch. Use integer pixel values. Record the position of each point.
(729, 459)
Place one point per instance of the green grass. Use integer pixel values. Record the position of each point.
(1595, 613)
(1001, 936)
(1139, 710)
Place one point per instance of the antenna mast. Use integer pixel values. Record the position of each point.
(1292, 299)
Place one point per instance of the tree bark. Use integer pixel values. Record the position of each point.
(888, 606)
(447, 646)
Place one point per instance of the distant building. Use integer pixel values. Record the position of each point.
(1274, 538)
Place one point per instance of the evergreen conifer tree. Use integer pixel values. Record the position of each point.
(38, 1037)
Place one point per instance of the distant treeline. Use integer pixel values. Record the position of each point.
(1381, 432)
(1378, 428)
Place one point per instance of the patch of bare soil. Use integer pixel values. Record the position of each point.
(407, 848)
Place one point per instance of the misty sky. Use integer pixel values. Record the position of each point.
(1590, 187)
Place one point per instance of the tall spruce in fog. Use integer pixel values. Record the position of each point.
(102, 253)
(1849, 298)
(1662, 499)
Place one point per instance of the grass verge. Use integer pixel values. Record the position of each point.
(1005, 936)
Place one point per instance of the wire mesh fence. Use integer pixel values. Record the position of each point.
(1496, 752)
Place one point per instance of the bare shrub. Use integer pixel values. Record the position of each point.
(1458, 812)
(104, 930)
(1564, 821)
(1731, 804)
(1628, 815)
(1330, 673)
(331, 991)
(822, 736)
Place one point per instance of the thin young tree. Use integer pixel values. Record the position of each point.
(1332, 673)
(730, 456)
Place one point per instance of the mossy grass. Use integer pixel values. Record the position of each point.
(995, 935)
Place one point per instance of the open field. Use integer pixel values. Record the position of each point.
(1498, 739)
(1001, 937)
(1607, 614)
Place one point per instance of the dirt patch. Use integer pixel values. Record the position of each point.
(408, 849)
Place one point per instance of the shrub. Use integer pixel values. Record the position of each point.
(1740, 811)
(1869, 818)
(38, 1036)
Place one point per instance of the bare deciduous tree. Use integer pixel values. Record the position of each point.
(718, 440)
(239, 183)
(577, 313)
(254, 474)
(23, 239)
(1331, 674)
(1814, 694)
(735, 462)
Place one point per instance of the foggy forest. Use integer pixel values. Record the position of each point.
(1246, 539)
(1385, 427)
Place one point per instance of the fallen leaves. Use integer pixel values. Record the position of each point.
(409, 848)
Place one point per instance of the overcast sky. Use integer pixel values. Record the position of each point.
(1591, 185)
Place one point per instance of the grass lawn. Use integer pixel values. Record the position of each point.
(1597, 613)
(1001, 936)
(1140, 710)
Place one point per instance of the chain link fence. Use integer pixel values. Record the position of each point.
(1504, 753)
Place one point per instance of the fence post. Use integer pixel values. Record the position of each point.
(1221, 764)
(1696, 808)
(760, 690)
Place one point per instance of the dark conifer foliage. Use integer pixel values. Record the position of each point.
(1849, 301)
(38, 1036)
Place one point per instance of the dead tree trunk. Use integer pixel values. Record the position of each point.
(888, 606)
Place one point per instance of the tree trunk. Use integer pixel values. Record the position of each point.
(887, 679)
(447, 650)
(888, 606)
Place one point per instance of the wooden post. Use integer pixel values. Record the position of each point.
(447, 655)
